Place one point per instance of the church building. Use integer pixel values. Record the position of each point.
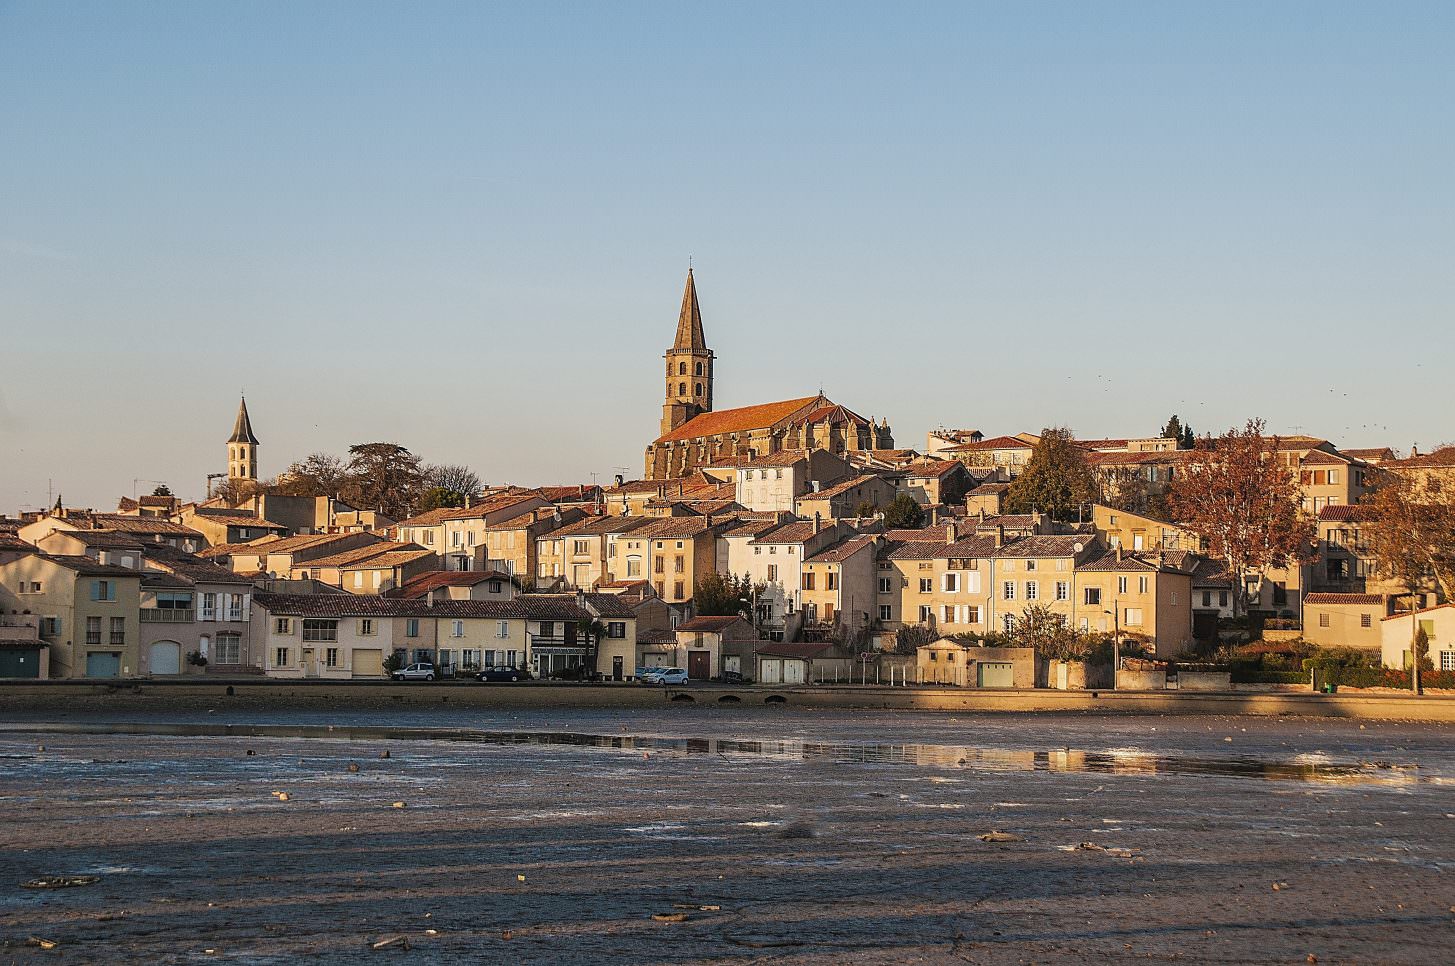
(694, 435)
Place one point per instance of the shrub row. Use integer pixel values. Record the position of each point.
(1254, 676)
(1372, 677)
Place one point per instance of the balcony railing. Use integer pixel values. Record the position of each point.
(167, 615)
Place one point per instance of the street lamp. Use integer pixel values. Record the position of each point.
(1116, 641)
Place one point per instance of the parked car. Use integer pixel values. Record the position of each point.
(641, 672)
(666, 675)
(733, 677)
(503, 674)
(415, 672)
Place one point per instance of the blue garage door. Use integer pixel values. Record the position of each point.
(103, 664)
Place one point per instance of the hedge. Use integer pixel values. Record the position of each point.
(1252, 676)
(1374, 677)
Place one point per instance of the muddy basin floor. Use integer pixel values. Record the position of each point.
(783, 835)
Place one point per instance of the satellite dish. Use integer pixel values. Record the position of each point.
(1077, 546)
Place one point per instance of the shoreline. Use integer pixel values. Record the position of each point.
(253, 693)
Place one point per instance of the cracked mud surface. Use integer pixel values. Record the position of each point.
(822, 838)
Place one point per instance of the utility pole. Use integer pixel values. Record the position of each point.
(1415, 644)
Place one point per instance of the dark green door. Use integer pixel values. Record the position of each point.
(20, 662)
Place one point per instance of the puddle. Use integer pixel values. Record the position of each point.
(1317, 768)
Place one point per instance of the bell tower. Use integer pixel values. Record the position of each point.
(689, 366)
(242, 447)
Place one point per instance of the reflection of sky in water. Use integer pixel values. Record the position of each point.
(447, 747)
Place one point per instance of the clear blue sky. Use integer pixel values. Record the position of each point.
(464, 227)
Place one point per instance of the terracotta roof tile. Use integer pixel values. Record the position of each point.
(738, 420)
(1364, 600)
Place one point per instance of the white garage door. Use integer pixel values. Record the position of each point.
(793, 672)
(368, 662)
(772, 671)
(166, 658)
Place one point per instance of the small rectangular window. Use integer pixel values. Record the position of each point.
(1366, 620)
(280, 657)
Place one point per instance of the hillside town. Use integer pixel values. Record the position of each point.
(786, 542)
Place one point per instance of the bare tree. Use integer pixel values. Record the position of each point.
(1412, 531)
(455, 477)
(318, 474)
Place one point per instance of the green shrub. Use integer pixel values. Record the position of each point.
(1256, 676)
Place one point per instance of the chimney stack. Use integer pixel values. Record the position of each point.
(1119, 553)
(817, 522)
(999, 536)
(952, 532)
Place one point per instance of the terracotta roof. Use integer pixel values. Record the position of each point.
(1101, 443)
(964, 548)
(710, 625)
(301, 541)
(1373, 453)
(928, 468)
(597, 525)
(528, 606)
(1346, 513)
(784, 457)
(1368, 600)
(987, 488)
(791, 532)
(435, 579)
(86, 566)
(393, 558)
(580, 493)
(1317, 457)
(845, 485)
(1043, 545)
(106, 539)
(1126, 562)
(832, 413)
(192, 566)
(1422, 610)
(489, 505)
(655, 635)
(148, 526)
(1440, 457)
(996, 442)
(843, 550)
(671, 528)
(232, 518)
(161, 578)
(738, 420)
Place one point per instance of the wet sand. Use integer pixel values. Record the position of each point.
(822, 837)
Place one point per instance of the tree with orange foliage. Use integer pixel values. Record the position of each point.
(1239, 496)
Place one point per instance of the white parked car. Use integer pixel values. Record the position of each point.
(415, 672)
(665, 675)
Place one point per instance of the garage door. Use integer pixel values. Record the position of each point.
(368, 662)
(166, 658)
(793, 672)
(18, 662)
(772, 671)
(997, 675)
(103, 664)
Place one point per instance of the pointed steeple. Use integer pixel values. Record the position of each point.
(242, 430)
(689, 323)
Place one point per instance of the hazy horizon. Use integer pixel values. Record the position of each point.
(465, 229)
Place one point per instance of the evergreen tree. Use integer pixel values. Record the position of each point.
(1189, 440)
(1173, 429)
(904, 514)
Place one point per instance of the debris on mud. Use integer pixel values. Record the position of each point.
(60, 881)
(670, 916)
(391, 941)
(42, 943)
(798, 830)
(1000, 837)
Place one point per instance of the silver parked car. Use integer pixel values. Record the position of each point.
(415, 672)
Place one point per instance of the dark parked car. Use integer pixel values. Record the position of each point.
(733, 677)
(503, 674)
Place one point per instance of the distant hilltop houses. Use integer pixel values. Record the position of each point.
(779, 541)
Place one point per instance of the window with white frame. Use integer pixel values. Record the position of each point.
(952, 583)
(885, 612)
(926, 613)
(502, 629)
(283, 625)
(1007, 590)
(1142, 585)
(228, 648)
(1030, 565)
(1033, 590)
(883, 585)
(1121, 585)
(1063, 590)
(1007, 623)
(926, 585)
(330, 657)
(1132, 617)
(457, 628)
(320, 630)
(366, 626)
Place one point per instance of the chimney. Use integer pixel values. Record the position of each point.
(934, 515)
(982, 514)
(580, 598)
(952, 532)
(430, 599)
(1119, 553)
(817, 522)
(999, 536)
(1035, 521)
(468, 501)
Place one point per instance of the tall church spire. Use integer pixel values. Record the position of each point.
(689, 365)
(242, 430)
(689, 322)
(242, 447)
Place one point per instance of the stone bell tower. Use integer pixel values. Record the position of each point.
(242, 447)
(689, 366)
